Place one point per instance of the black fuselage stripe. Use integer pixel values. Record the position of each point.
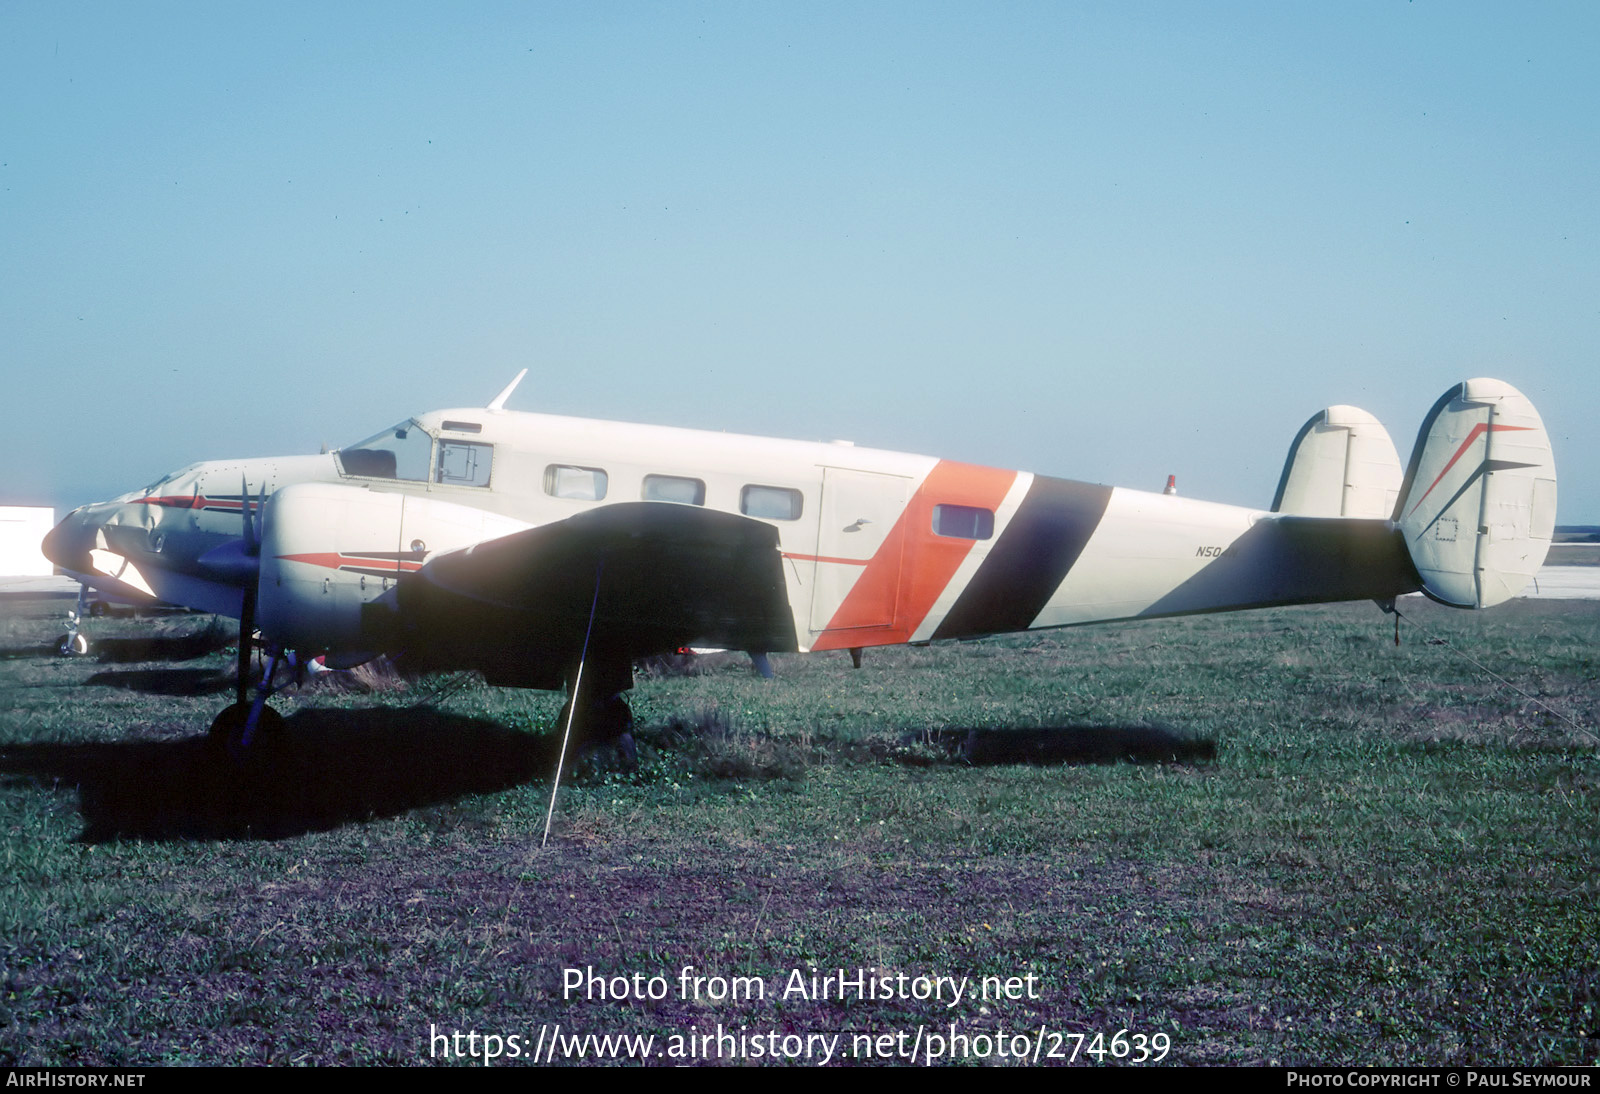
(1029, 561)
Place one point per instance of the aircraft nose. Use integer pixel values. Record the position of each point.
(68, 544)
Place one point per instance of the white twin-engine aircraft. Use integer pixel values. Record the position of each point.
(525, 545)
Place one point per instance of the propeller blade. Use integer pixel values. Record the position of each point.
(247, 630)
(252, 545)
(259, 518)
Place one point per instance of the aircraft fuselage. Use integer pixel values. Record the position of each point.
(876, 547)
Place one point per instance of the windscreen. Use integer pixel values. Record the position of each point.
(403, 452)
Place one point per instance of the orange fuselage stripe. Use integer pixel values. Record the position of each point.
(913, 566)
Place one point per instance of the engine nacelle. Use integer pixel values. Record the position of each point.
(332, 555)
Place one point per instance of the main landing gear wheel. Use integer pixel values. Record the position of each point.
(227, 729)
(600, 722)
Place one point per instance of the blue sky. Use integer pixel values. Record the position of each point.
(1107, 241)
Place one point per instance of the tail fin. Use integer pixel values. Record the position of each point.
(1478, 507)
(1341, 464)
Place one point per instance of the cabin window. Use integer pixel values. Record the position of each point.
(579, 483)
(673, 488)
(399, 453)
(770, 502)
(962, 522)
(464, 463)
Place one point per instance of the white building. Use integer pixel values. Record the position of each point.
(22, 529)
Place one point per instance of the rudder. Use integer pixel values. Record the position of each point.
(1478, 507)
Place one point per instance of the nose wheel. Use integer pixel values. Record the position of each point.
(75, 643)
(239, 727)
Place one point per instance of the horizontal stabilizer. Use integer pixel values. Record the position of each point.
(1341, 464)
(1478, 508)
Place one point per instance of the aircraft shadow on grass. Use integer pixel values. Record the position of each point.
(165, 681)
(324, 768)
(163, 647)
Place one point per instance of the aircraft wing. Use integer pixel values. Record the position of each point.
(659, 576)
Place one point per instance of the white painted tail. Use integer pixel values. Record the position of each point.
(1341, 464)
(1478, 506)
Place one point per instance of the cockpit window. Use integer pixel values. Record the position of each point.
(403, 452)
(155, 487)
(149, 491)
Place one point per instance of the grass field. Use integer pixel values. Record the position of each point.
(1319, 849)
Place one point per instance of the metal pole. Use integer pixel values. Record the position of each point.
(572, 707)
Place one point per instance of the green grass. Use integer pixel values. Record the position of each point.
(1361, 854)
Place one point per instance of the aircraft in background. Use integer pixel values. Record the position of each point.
(552, 552)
